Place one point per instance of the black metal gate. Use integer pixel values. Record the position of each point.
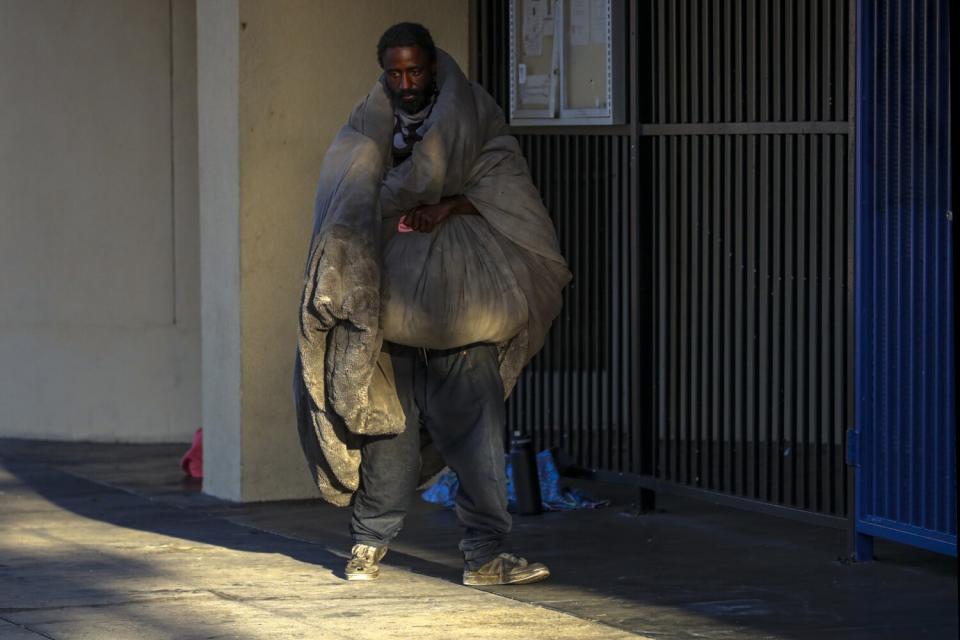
(705, 342)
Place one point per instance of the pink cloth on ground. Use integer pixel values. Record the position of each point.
(192, 461)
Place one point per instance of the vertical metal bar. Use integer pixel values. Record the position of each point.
(664, 387)
(764, 53)
(833, 61)
(704, 251)
(682, 436)
(582, 332)
(776, 441)
(811, 352)
(672, 63)
(790, 62)
(912, 212)
(849, 26)
(750, 36)
(694, 79)
(921, 46)
(707, 81)
(752, 298)
(605, 369)
(861, 496)
(842, 56)
(880, 490)
(561, 355)
(802, 76)
(838, 268)
(570, 176)
(764, 443)
(630, 407)
(716, 315)
(594, 359)
(591, 219)
(930, 347)
(794, 337)
(948, 234)
(818, 316)
(716, 50)
(683, 71)
(694, 442)
(897, 311)
(622, 314)
(803, 324)
(944, 466)
(729, 62)
(610, 416)
(738, 87)
(661, 114)
(815, 46)
(778, 76)
(739, 321)
(673, 215)
(538, 390)
(548, 363)
(729, 326)
(935, 519)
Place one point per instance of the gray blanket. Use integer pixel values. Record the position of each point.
(359, 281)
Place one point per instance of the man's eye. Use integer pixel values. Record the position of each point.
(415, 72)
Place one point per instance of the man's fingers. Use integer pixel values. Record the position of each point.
(415, 220)
(421, 220)
(424, 218)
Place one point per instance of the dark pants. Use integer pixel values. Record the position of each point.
(457, 397)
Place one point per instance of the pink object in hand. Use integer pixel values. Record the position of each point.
(402, 227)
(192, 461)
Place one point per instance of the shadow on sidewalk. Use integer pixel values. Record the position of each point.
(692, 570)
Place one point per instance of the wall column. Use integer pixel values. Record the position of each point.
(276, 80)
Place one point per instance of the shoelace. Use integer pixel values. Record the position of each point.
(516, 560)
(363, 555)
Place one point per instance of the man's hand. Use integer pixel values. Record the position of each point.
(428, 217)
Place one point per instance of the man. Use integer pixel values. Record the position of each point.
(450, 370)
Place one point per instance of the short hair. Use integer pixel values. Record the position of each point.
(406, 34)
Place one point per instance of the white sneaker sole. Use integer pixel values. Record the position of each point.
(363, 576)
(489, 580)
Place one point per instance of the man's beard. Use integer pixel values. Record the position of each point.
(420, 101)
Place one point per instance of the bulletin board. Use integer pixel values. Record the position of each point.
(566, 62)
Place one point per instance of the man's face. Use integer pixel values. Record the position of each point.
(410, 77)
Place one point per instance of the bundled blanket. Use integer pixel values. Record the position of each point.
(496, 277)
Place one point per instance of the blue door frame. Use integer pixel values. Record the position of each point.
(902, 446)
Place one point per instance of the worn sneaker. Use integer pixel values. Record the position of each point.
(364, 563)
(506, 569)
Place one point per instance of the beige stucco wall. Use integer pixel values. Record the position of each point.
(301, 66)
(99, 320)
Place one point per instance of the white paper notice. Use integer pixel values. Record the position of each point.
(598, 21)
(533, 11)
(579, 23)
(536, 90)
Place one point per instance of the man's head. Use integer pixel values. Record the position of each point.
(409, 60)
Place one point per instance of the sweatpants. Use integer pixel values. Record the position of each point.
(456, 397)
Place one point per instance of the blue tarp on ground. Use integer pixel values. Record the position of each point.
(554, 496)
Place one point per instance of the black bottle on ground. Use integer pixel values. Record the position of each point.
(526, 482)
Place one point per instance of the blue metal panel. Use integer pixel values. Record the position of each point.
(904, 439)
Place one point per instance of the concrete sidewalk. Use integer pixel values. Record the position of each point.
(107, 542)
(82, 560)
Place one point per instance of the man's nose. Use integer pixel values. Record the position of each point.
(406, 82)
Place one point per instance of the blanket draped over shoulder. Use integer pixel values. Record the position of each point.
(344, 385)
